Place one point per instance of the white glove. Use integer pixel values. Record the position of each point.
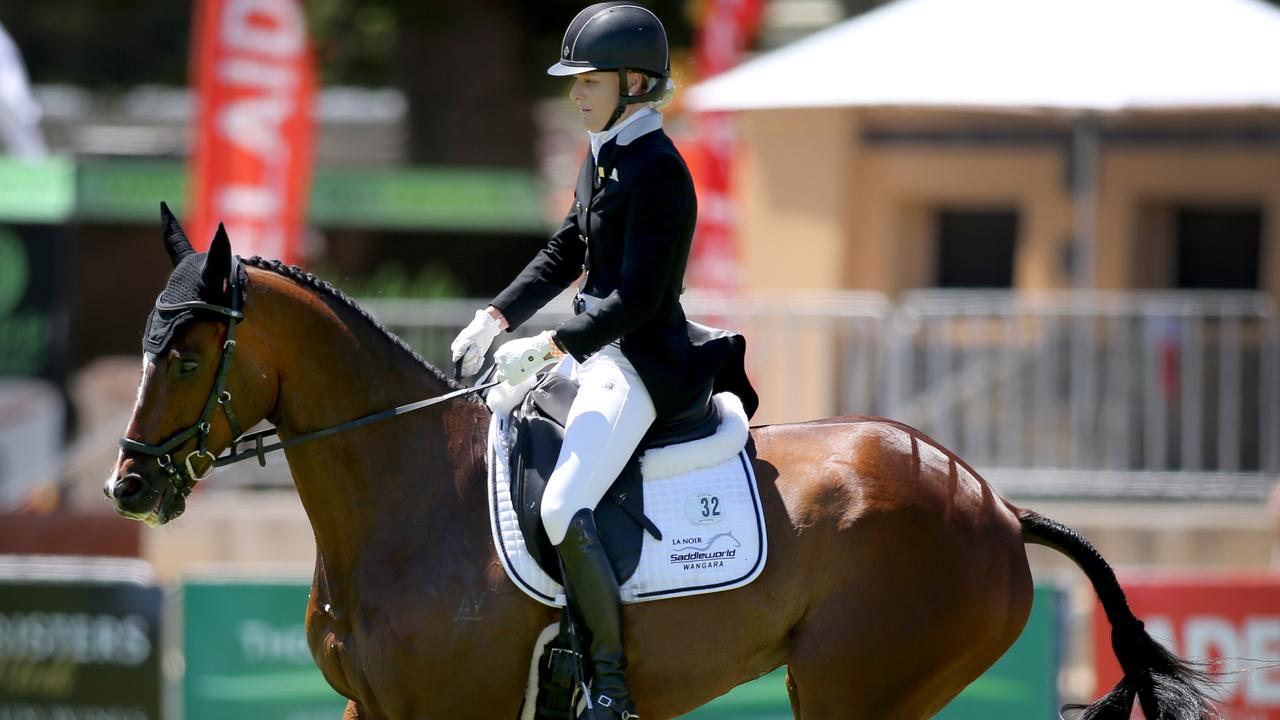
(520, 358)
(474, 341)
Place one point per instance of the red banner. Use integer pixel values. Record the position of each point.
(252, 159)
(1236, 621)
(724, 32)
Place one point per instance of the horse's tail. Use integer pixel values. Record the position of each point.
(1166, 686)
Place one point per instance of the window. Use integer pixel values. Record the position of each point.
(1218, 247)
(975, 248)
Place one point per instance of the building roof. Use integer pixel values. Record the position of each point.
(1071, 55)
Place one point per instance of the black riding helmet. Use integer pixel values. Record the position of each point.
(617, 36)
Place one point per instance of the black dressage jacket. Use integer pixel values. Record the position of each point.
(630, 230)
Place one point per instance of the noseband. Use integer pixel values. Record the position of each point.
(182, 482)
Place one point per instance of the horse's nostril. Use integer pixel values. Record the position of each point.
(127, 487)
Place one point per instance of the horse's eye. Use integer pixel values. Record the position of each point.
(186, 367)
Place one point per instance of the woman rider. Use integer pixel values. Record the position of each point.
(628, 236)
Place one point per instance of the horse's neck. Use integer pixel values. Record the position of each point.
(361, 486)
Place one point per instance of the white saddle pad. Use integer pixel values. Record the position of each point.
(712, 522)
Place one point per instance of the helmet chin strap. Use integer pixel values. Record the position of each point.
(625, 99)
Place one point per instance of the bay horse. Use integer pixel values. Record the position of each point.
(895, 574)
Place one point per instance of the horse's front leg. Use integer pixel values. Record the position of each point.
(353, 712)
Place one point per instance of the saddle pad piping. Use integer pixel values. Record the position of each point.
(497, 533)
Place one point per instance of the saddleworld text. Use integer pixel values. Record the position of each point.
(700, 556)
(694, 553)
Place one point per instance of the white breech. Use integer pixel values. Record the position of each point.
(606, 422)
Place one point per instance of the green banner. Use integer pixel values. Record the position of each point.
(40, 190)
(419, 198)
(130, 191)
(1022, 684)
(247, 656)
(436, 199)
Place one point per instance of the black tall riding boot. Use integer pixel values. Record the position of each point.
(590, 581)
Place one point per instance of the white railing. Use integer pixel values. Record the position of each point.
(1116, 383)
(1124, 394)
(810, 355)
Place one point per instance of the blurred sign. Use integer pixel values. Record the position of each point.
(79, 650)
(725, 29)
(1233, 620)
(33, 261)
(445, 199)
(247, 655)
(114, 190)
(34, 190)
(252, 159)
(451, 199)
(1022, 684)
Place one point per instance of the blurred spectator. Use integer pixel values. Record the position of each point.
(19, 113)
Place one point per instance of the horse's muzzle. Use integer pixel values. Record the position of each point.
(134, 494)
(123, 489)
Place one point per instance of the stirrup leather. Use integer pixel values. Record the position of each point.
(605, 701)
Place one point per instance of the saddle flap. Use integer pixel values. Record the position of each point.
(539, 433)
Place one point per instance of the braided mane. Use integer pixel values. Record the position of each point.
(323, 288)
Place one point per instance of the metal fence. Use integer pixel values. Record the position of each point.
(1062, 394)
(811, 355)
(1134, 393)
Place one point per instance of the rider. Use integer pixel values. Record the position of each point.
(638, 359)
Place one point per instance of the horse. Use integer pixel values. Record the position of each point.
(895, 575)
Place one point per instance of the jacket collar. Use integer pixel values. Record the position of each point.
(643, 121)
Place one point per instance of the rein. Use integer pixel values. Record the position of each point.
(260, 451)
(219, 397)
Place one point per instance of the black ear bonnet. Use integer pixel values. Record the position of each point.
(197, 277)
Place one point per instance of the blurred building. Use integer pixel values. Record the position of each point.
(1115, 165)
(1004, 144)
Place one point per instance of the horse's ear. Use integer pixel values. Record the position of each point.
(217, 267)
(175, 240)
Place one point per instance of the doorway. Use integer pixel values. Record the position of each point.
(1217, 248)
(975, 248)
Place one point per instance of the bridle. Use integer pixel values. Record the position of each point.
(183, 478)
(218, 397)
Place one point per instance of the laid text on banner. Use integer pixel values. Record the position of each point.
(1232, 620)
(252, 161)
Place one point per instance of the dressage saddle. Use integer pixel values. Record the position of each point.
(538, 425)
